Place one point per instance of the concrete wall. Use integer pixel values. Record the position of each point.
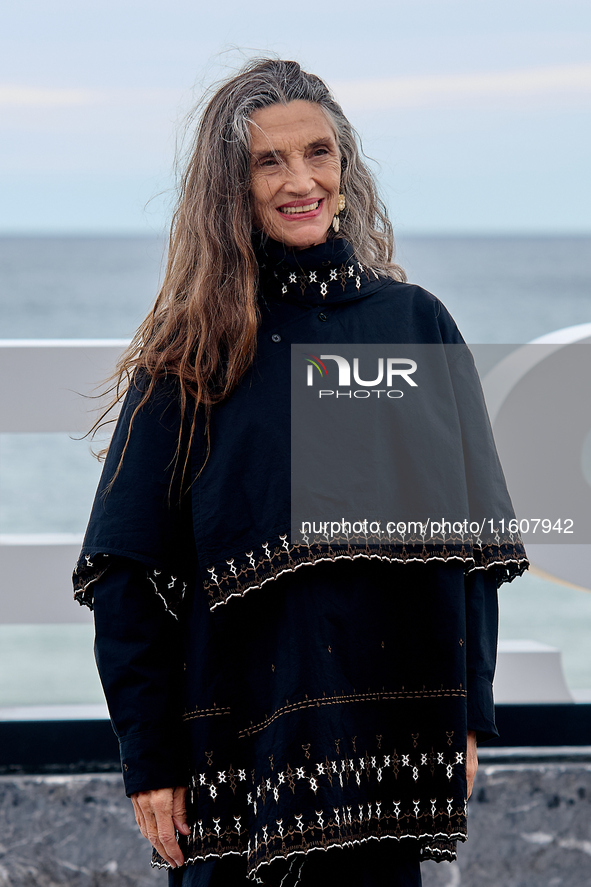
(530, 826)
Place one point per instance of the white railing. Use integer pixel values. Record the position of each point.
(45, 388)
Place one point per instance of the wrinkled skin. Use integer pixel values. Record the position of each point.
(471, 760)
(158, 813)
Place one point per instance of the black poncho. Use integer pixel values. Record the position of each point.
(312, 693)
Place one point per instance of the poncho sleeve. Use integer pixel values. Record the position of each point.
(139, 656)
(138, 500)
(137, 563)
(482, 617)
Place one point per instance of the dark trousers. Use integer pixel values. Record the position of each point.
(373, 864)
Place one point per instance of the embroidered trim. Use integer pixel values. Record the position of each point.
(206, 713)
(437, 847)
(238, 575)
(378, 696)
(170, 589)
(89, 569)
(439, 850)
(266, 816)
(314, 282)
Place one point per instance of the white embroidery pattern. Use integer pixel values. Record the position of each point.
(344, 272)
(441, 817)
(274, 559)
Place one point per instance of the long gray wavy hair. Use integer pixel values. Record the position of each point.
(203, 325)
(220, 154)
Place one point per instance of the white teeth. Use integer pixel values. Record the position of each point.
(300, 209)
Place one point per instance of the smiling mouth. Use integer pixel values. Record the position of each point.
(293, 210)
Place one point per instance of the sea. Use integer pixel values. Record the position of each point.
(500, 289)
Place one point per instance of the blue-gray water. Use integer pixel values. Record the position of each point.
(499, 289)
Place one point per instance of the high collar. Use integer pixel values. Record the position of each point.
(327, 272)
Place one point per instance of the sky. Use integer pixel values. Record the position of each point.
(476, 113)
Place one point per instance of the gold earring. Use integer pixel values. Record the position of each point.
(340, 207)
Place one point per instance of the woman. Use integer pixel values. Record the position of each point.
(266, 710)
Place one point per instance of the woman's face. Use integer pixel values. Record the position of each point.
(295, 173)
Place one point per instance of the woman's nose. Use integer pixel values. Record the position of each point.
(300, 179)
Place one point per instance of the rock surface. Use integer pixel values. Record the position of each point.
(529, 824)
(78, 831)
